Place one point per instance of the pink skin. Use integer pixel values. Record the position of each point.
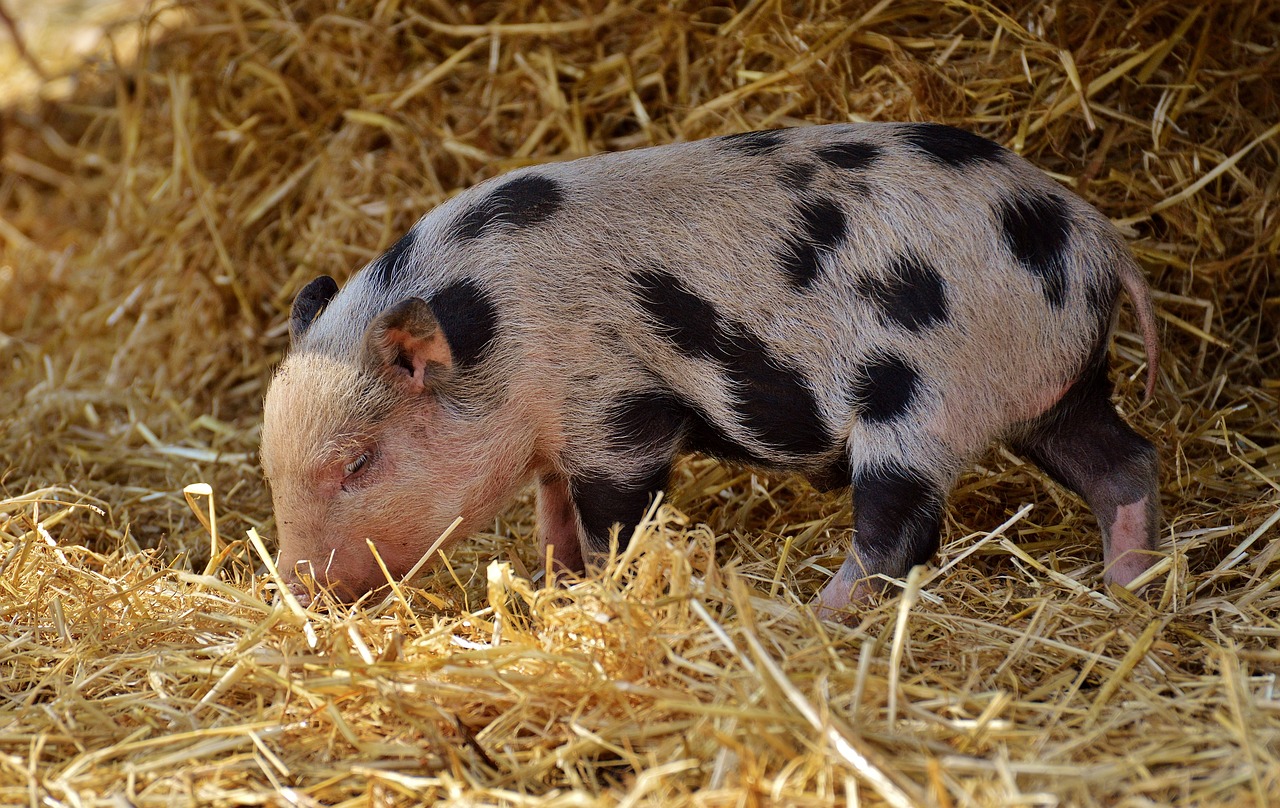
(417, 478)
(423, 465)
(558, 525)
(1126, 553)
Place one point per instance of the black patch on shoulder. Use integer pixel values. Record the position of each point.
(309, 303)
(773, 399)
(798, 176)
(468, 318)
(885, 389)
(950, 146)
(822, 229)
(763, 142)
(914, 295)
(521, 202)
(603, 502)
(389, 268)
(648, 420)
(1037, 230)
(852, 156)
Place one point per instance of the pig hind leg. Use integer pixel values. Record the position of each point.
(1084, 444)
(897, 519)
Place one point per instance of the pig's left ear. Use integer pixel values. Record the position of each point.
(406, 345)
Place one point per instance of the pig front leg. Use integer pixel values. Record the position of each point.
(558, 525)
(897, 520)
(605, 504)
(1084, 444)
(577, 516)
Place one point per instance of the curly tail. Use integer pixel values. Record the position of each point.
(1140, 294)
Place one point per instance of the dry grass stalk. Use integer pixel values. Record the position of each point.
(160, 206)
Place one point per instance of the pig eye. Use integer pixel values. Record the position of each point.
(356, 465)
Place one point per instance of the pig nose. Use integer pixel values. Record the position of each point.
(300, 593)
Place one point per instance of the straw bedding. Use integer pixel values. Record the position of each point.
(185, 170)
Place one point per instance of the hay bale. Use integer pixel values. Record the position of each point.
(160, 205)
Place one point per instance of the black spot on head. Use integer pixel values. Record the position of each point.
(390, 267)
(1037, 230)
(521, 202)
(898, 518)
(797, 177)
(468, 318)
(309, 303)
(773, 399)
(603, 502)
(913, 295)
(885, 388)
(852, 156)
(950, 146)
(762, 142)
(822, 229)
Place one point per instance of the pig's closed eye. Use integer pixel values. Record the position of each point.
(355, 465)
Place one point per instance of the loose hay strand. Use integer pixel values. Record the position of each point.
(186, 168)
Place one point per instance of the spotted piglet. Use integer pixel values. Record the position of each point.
(865, 304)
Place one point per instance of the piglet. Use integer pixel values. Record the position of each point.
(865, 304)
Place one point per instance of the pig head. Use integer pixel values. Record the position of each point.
(366, 447)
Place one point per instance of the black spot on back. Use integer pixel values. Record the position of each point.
(797, 177)
(762, 142)
(691, 323)
(914, 295)
(950, 146)
(521, 202)
(390, 267)
(852, 156)
(885, 388)
(309, 303)
(773, 399)
(468, 318)
(1037, 230)
(822, 229)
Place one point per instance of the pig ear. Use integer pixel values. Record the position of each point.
(405, 343)
(309, 302)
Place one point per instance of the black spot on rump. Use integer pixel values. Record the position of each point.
(885, 388)
(762, 142)
(1037, 229)
(774, 400)
(390, 267)
(822, 229)
(850, 156)
(468, 318)
(522, 202)
(913, 295)
(950, 146)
